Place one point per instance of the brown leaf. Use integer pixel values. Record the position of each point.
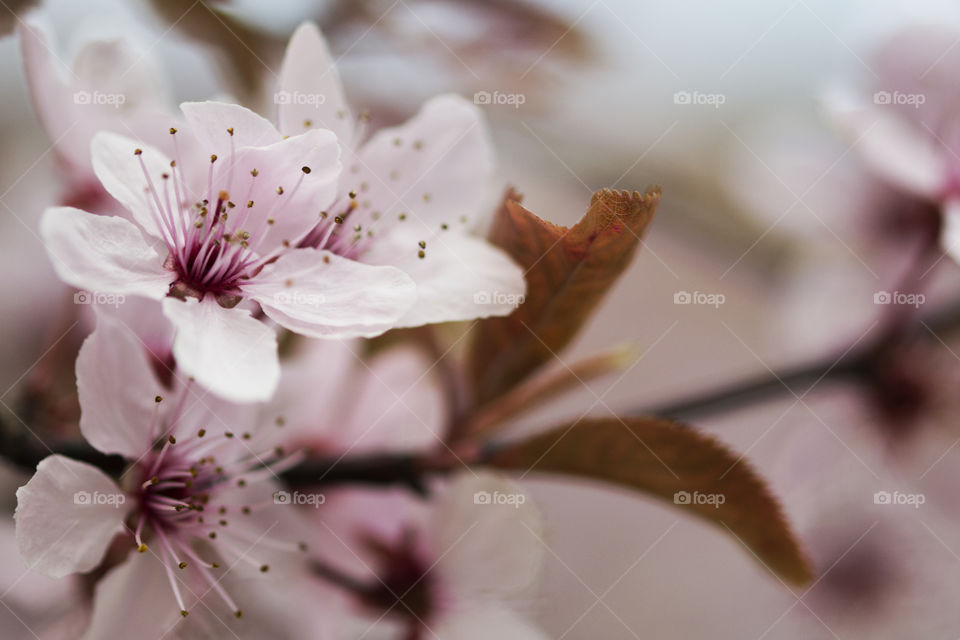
(567, 270)
(674, 463)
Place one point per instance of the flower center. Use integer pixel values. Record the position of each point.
(184, 494)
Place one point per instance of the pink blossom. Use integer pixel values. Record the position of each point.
(211, 234)
(196, 501)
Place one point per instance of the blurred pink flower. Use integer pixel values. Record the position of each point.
(109, 87)
(454, 568)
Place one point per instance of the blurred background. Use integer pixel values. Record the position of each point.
(767, 207)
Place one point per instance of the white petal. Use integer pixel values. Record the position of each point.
(310, 88)
(226, 350)
(491, 547)
(950, 235)
(319, 294)
(122, 175)
(117, 389)
(435, 168)
(900, 152)
(460, 277)
(483, 622)
(282, 191)
(209, 122)
(135, 600)
(67, 515)
(103, 254)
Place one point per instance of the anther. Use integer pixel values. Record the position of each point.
(305, 169)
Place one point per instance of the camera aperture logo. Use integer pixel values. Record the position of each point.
(687, 498)
(99, 98)
(512, 99)
(498, 297)
(96, 297)
(299, 498)
(700, 298)
(714, 100)
(297, 97)
(899, 98)
(897, 498)
(297, 298)
(511, 499)
(87, 499)
(906, 299)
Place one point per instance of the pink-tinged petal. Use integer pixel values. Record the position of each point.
(103, 254)
(310, 94)
(117, 389)
(51, 94)
(295, 180)
(395, 405)
(313, 381)
(901, 153)
(492, 535)
(319, 294)
(26, 589)
(435, 168)
(226, 350)
(134, 600)
(483, 622)
(122, 175)
(212, 123)
(460, 277)
(112, 86)
(950, 236)
(67, 515)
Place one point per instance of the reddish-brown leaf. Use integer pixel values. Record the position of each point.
(568, 270)
(674, 463)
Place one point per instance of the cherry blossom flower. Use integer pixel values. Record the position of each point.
(408, 193)
(195, 502)
(452, 568)
(203, 251)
